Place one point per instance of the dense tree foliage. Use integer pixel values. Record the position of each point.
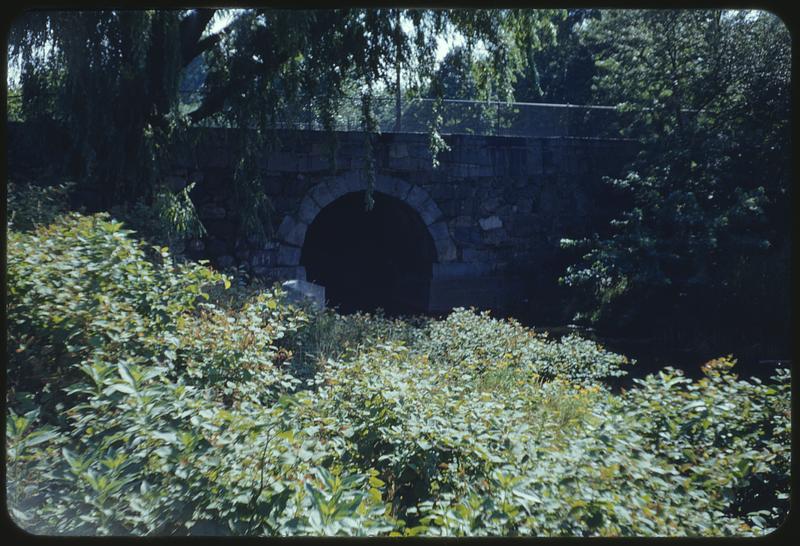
(115, 91)
(562, 70)
(703, 241)
(121, 101)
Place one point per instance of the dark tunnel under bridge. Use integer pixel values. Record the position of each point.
(370, 259)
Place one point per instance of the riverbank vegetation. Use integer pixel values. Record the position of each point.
(149, 396)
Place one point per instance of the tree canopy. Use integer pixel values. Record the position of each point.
(707, 220)
(122, 103)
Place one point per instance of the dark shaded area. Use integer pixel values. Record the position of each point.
(366, 260)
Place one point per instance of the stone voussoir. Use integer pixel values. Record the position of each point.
(308, 210)
(417, 197)
(292, 231)
(322, 195)
(430, 212)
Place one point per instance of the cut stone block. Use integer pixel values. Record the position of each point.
(400, 188)
(417, 197)
(490, 222)
(288, 255)
(303, 292)
(322, 195)
(291, 231)
(308, 210)
(429, 212)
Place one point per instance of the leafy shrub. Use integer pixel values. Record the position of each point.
(31, 205)
(173, 415)
(153, 397)
(169, 220)
(329, 335)
(81, 290)
(729, 436)
(557, 458)
(475, 340)
(149, 456)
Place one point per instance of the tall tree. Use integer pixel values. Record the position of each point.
(115, 76)
(112, 79)
(702, 244)
(561, 71)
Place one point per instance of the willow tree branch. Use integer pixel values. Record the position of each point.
(191, 29)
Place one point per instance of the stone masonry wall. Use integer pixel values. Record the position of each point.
(496, 207)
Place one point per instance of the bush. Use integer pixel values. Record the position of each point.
(81, 290)
(479, 342)
(31, 205)
(171, 414)
(149, 397)
(329, 335)
(556, 458)
(169, 220)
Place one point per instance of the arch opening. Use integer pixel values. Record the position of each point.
(366, 260)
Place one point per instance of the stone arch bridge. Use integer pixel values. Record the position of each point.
(480, 229)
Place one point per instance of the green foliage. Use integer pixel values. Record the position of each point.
(31, 205)
(177, 213)
(82, 291)
(704, 205)
(110, 78)
(562, 70)
(14, 105)
(728, 436)
(466, 340)
(121, 101)
(329, 335)
(170, 219)
(153, 398)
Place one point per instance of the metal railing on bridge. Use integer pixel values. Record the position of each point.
(459, 117)
(523, 119)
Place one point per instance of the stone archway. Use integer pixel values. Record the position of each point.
(292, 230)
